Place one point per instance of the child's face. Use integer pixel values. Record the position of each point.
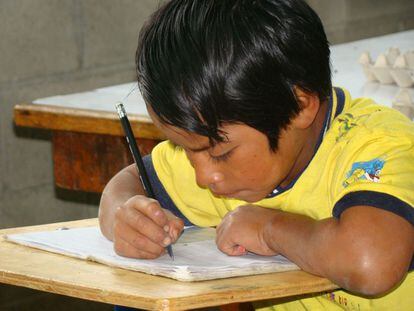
(242, 167)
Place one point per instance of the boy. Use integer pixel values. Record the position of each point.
(262, 147)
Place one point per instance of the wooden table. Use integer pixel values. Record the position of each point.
(41, 270)
(87, 143)
(88, 147)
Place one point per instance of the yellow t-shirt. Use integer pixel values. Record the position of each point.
(366, 157)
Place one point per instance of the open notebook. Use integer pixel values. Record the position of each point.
(196, 255)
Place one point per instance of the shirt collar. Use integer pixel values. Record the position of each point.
(336, 103)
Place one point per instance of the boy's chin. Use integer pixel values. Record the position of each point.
(247, 197)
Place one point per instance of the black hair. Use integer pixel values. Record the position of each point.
(205, 63)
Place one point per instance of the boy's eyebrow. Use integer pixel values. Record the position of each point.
(199, 149)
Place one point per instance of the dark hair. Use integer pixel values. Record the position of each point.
(205, 63)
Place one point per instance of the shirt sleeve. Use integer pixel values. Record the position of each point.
(376, 199)
(376, 168)
(378, 172)
(160, 193)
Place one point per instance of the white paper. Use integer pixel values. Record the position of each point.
(193, 260)
(103, 99)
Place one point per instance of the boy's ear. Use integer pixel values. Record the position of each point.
(309, 104)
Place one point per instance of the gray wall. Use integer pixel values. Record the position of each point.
(50, 47)
(349, 20)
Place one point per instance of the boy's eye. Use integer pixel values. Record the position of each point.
(223, 157)
(176, 146)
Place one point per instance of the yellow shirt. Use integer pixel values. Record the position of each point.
(365, 158)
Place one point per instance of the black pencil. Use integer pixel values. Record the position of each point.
(136, 154)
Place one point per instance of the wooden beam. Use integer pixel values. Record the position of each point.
(82, 120)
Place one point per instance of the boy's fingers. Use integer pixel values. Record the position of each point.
(123, 248)
(219, 230)
(227, 245)
(149, 207)
(232, 249)
(137, 240)
(241, 250)
(156, 213)
(140, 223)
(237, 250)
(176, 226)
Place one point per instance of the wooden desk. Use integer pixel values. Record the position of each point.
(87, 145)
(41, 270)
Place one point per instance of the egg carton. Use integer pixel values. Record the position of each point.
(392, 67)
(403, 102)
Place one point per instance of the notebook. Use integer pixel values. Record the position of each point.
(196, 256)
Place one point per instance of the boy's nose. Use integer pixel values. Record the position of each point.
(207, 177)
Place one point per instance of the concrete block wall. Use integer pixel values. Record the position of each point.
(55, 47)
(349, 20)
(50, 47)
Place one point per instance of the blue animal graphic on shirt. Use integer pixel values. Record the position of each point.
(369, 170)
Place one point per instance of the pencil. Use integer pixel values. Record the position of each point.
(136, 154)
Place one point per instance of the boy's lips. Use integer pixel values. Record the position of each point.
(243, 195)
(226, 194)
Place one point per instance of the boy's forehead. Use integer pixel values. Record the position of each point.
(180, 136)
(187, 139)
(194, 141)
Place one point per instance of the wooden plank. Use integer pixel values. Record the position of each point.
(82, 120)
(23, 266)
(86, 162)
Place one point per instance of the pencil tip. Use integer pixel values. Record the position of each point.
(170, 252)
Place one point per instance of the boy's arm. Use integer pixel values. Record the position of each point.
(368, 250)
(137, 225)
(123, 186)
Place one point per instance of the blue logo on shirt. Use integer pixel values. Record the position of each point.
(369, 170)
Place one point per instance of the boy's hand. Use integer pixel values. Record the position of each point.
(142, 229)
(242, 230)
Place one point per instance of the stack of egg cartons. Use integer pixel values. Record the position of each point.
(393, 67)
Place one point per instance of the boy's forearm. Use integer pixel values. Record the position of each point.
(350, 252)
(294, 236)
(119, 189)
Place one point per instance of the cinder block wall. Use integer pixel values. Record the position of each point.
(349, 20)
(50, 47)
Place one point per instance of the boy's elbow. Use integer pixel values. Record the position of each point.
(371, 277)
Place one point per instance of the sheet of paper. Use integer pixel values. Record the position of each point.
(103, 99)
(196, 255)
